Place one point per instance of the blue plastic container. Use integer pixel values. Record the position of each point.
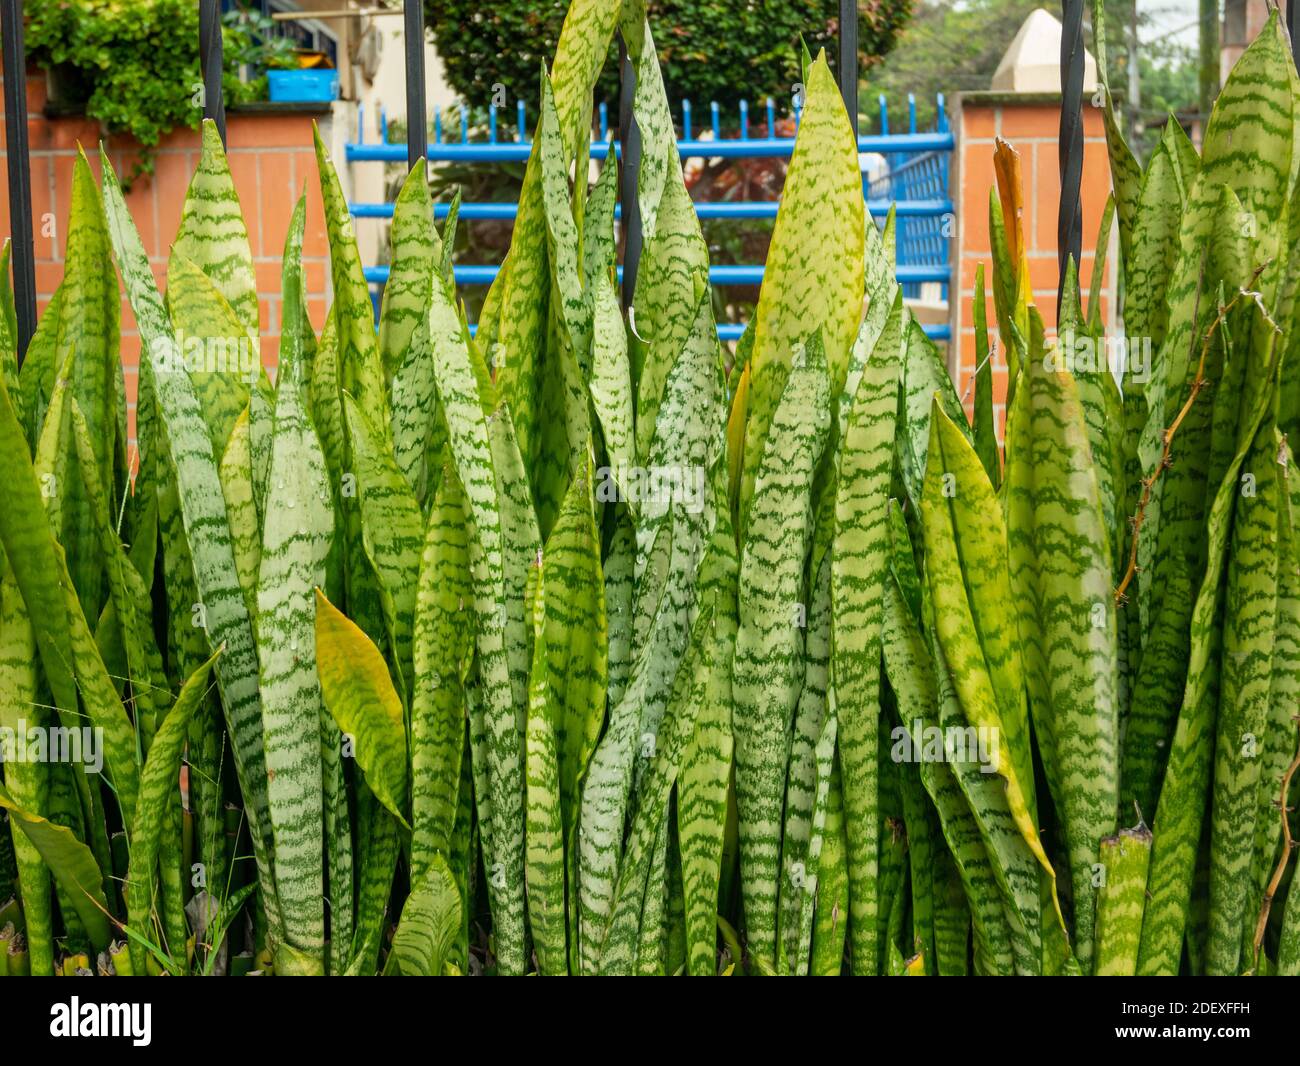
(303, 86)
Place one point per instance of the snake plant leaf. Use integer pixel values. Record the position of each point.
(703, 780)
(1247, 149)
(236, 473)
(983, 428)
(573, 314)
(607, 791)
(418, 431)
(768, 666)
(521, 541)
(632, 920)
(832, 902)
(1005, 305)
(416, 256)
(969, 583)
(1242, 726)
(221, 360)
(611, 380)
(599, 245)
(1179, 816)
(924, 375)
(576, 641)
(88, 331)
(1061, 578)
(444, 645)
(36, 376)
(544, 861)
(429, 925)
(911, 672)
(392, 527)
(619, 568)
(562, 402)
(403, 333)
(361, 370)
(674, 254)
(35, 557)
(27, 781)
(128, 595)
(1083, 350)
(296, 539)
(378, 856)
(1174, 521)
(859, 557)
(471, 452)
(1156, 696)
(1279, 744)
(213, 235)
(1125, 858)
(1154, 245)
(360, 696)
(9, 326)
(815, 271)
(812, 720)
(159, 789)
(71, 864)
(202, 508)
(688, 439)
(522, 290)
(1100, 255)
(881, 279)
(824, 762)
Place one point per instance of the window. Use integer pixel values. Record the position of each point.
(307, 34)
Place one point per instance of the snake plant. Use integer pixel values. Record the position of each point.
(580, 643)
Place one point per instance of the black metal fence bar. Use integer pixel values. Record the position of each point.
(849, 59)
(417, 131)
(631, 138)
(1293, 25)
(210, 59)
(22, 255)
(1069, 227)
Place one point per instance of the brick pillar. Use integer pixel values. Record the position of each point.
(1030, 122)
(272, 160)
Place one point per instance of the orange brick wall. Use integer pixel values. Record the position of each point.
(1031, 126)
(271, 159)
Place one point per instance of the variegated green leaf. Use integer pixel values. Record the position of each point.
(221, 360)
(159, 792)
(360, 696)
(361, 371)
(814, 276)
(296, 539)
(72, 865)
(769, 643)
(859, 557)
(213, 234)
(1124, 860)
(429, 925)
(444, 644)
(471, 453)
(202, 508)
(1061, 579)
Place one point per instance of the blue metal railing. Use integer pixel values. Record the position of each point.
(920, 238)
(915, 184)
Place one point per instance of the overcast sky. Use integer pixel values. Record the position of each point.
(1170, 19)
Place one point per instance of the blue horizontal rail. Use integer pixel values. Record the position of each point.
(731, 331)
(915, 183)
(718, 275)
(932, 208)
(754, 148)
